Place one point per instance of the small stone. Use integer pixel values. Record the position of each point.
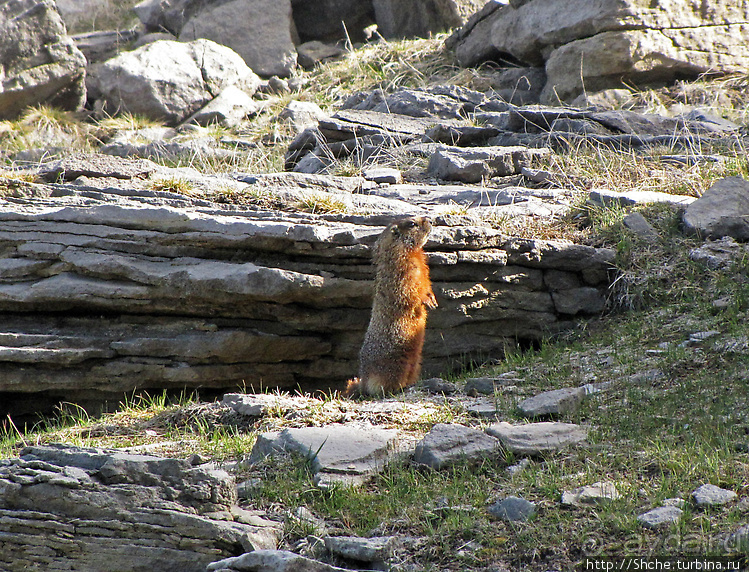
(660, 516)
(518, 467)
(376, 549)
(556, 402)
(677, 502)
(438, 385)
(537, 438)
(249, 488)
(639, 225)
(447, 444)
(591, 494)
(382, 175)
(513, 509)
(482, 385)
(710, 495)
(484, 408)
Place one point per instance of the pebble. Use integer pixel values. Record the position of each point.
(710, 495)
(660, 516)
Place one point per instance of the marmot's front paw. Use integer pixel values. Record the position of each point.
(431, 301)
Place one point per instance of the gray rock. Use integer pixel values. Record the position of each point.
(639, 225)
(475, 164)
(258, 30)
(271, 561)
(40, 63)
(537, 438)
(472, 43)
(83, 498)
(486, 385)
(555, 402)
(661, 516)
(337, 450)
(302, 114)
(198, 72)
(722, 253)
(484, 408)
(513, 509)
(383, 175)
(375, 549)
(591, 494)
(606, 197)
(101, 45)
(583, 300)
(447, 444)
(229, 108)
(437, 385)
(710, 495)
(723, 210)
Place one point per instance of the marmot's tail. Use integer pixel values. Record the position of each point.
(353, 388)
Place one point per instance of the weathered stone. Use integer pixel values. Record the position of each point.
(229, 108)
(302, 114)
(258, 30)
(271, 561)
(606, 197)
(437, 385)
(585, 300)
(383, 175)
(639, 226)
(85, 498)
(337, 451)
(555, 402)
(40, 63)
(472, 43)
(591, 494)
(447, 444)
(710, 495)
(723, 210)
(475, 164)
(513, 509)
(661, 516)
(197, 72)
(375, 549)
(102, 45)
(537, 438)
(258, 404)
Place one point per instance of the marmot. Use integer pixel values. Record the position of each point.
(390, 358)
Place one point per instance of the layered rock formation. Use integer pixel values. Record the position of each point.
(68, 508)
(108, 290)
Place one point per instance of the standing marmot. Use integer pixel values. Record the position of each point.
(390, 358)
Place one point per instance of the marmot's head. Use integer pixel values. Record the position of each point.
(409, 234)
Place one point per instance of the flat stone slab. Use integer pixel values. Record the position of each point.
(556, 402)
(375, 549)
(513, 509)
(591, 494)
(447, 444)
(538, 438)
(606, 197)
(661, 516)
(721, 211)
(272, 561)
(333, 449)
(258, 405)
(711, 495)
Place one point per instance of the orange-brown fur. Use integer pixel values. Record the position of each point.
(390, 358)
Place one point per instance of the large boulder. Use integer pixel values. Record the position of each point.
(592, 46)
(169, 81)
(39, 63)
(261, 31)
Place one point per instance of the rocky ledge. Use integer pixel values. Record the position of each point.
(108, 286)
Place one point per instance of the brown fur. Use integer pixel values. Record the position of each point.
(390, 358)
